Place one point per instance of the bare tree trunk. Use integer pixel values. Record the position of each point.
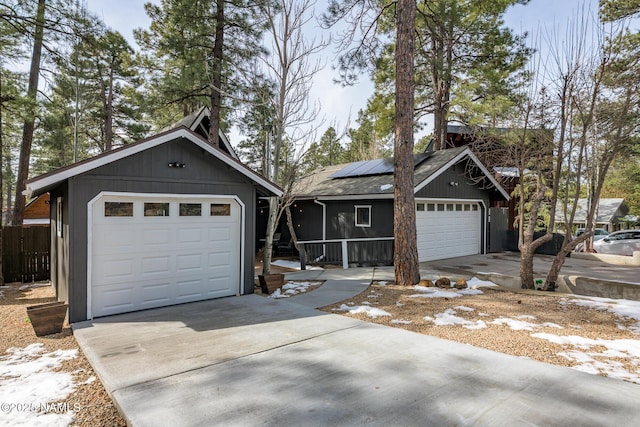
(292, 230)
(272, 222)
(29, 123)
(407, 269)
(2, 100)
(216, 78)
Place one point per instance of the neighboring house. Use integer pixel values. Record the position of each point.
(354, 201)
(37, 211)
(609, 216)
(166, 220)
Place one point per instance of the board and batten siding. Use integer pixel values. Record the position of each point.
(148, 172)
(341, 222)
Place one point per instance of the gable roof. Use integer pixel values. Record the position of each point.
(198, 121)
(320, 182)
(609, 210)
(44, 183)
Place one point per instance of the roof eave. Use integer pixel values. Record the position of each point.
(44, 183)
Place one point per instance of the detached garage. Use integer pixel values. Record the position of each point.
(167, 220)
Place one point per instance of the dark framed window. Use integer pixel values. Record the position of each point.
(220, 209)
(431, 207)
(190, 209)
(118, 208)
(420, 207)
(156, 209)
(363, 216)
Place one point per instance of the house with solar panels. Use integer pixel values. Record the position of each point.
(343, 214)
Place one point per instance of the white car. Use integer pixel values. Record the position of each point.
(623, 242)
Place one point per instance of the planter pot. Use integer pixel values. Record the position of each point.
(270, 282)
(47, 319)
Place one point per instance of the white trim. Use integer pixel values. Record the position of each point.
(198, 122)
(355, 196)
(51, 180)
(324, 218)
(456, 159)
(355, 216)
(92, 202)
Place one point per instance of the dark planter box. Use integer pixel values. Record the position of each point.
(270, 282)
(47, 319)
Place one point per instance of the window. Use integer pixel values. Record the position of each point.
(431, 207)
(440, 207)
(190, 209)
(156, 209)
(363, 216)
(220, 209)
(449, 207)
(474, 207)
(420, 207)
(458, 207)
(118, 208)
(467, 207)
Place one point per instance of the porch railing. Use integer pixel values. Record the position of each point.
(346, 252)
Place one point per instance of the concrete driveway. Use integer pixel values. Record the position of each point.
(255, 361)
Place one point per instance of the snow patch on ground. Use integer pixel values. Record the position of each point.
(449, 318)
(368, 310)
(595, 362)
(401, 322)
(620, 307)
(291, 288)
(28, 378)
(474, 282)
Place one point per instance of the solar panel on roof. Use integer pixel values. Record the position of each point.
(374, 167)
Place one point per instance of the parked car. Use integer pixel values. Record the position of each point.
(623, 242)
(598, 234)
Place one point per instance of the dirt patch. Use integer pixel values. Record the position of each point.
(490, 320)
(95, 407)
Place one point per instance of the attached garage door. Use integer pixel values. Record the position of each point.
(149, 251)
(448, 229)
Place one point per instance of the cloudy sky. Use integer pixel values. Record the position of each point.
(341, 103)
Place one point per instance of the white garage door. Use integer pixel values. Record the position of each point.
(149, 251)
(448, 229)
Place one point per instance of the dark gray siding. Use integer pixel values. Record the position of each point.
(147, 172)
(341, 219)
(306, 216)
(466, 189)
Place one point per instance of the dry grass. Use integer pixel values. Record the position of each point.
(97, 409)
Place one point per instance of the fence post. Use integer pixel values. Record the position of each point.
(345, 255)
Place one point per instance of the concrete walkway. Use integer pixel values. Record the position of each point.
(251, 360)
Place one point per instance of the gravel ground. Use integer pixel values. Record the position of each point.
(562, 319)
(97, 409)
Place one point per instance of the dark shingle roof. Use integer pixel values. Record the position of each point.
(320, 183)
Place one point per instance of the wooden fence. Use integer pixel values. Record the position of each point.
(25, 254)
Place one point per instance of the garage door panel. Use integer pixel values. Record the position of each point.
(188, 263)
(189, 235)
(154, 265)
(448, 233)
(156, 236)
(146, 262)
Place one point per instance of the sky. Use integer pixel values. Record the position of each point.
(339, 104)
